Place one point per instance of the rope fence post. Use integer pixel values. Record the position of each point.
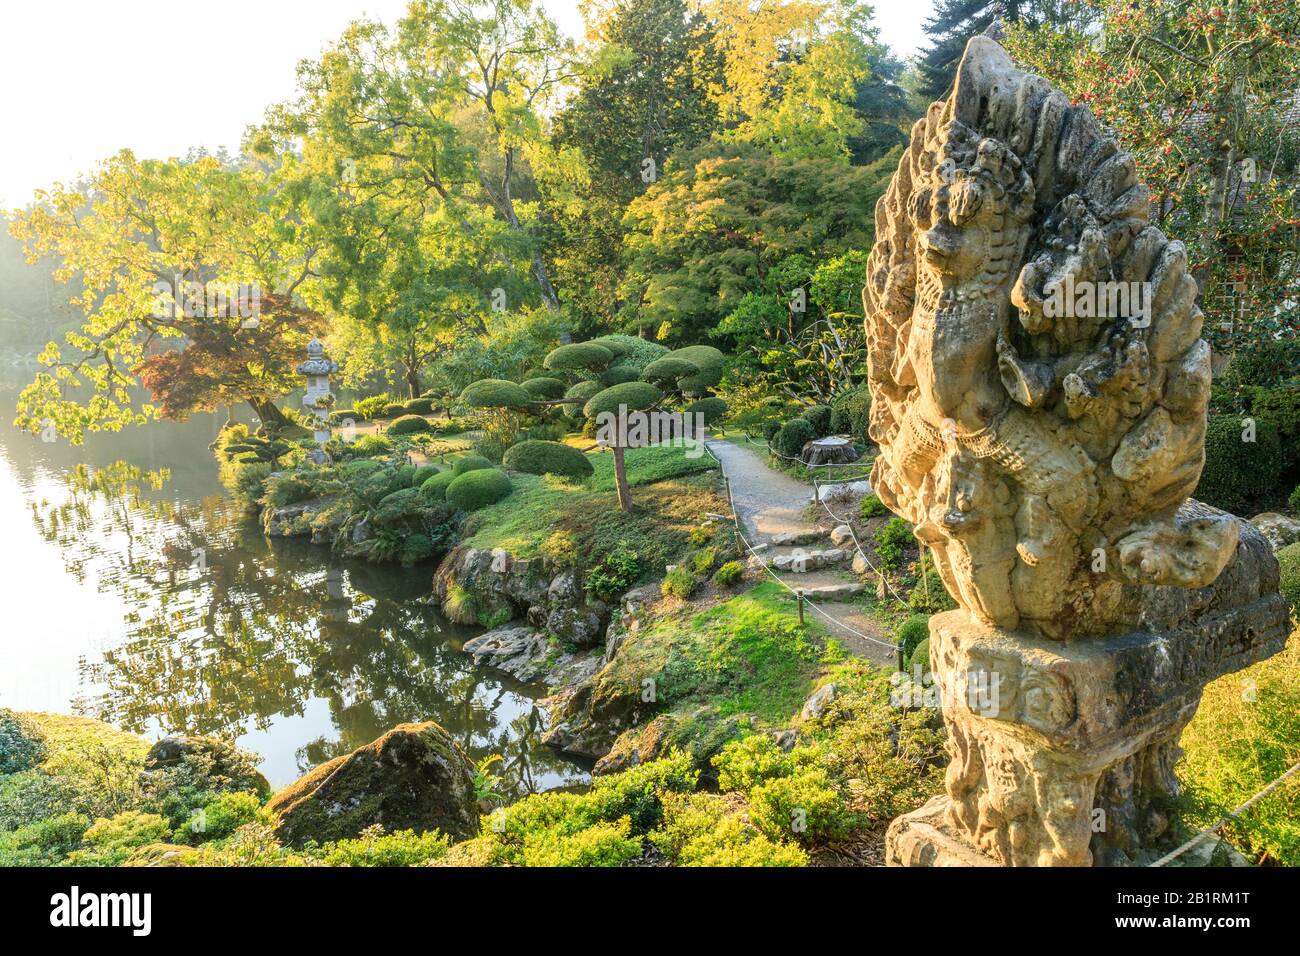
(898, 654)
(799, 595)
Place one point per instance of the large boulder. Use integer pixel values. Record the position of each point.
(415, 777)
(223, 765)
(1278, 529)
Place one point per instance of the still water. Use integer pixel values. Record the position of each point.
(133, 591)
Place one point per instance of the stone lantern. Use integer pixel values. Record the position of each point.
(318, 399)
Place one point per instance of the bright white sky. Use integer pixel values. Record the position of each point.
(82, 79)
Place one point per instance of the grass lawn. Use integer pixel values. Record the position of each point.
(859, 469)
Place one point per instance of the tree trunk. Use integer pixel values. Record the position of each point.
(620, 480)
(268, 413)
(413, 381)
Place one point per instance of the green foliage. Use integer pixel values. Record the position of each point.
(679, 583)
(408, 425)
(579, 357)
(711, 364)
(43, 843)
(713, 409)
(1288, 560)
(581, 393)
(418, 406)
(1293, 501)
(615, 573)
(22, 745)
(373, 405)
(630, 396)
(668, 370)
(110, 841)
(631, 350)
(422, 474)
(819, 417)
(1245, 735)
(805, 806)
(919, 658)
(367, 446)
(1265, 364)
(1238, 473)
(746, 763)
(544, 388)
(468, 463)
(219, 818)
(618, 374)
(796, 433)
(1280, 407)
(496, 393)
(928, 595)
(376, 848)
(729, 574)
(475, 489)
(703, 561)
(393, 410)
(912, 632)
(851, 413)
(871, 507)
(707, 830)
(548, 458)
(891, 541)
(560, 550)
(397, 506)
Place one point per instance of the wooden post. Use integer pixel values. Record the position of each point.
(898, 654)
(799, 595)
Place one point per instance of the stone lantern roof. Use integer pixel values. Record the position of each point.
(317, 363)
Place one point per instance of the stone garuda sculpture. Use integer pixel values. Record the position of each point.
(1039, 391)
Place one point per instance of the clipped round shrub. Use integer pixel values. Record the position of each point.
(794, 434)
(341, 415)
(770, 429)
(851, 413)
(711, 364)
(713, 409)
(1238, 472)
(679, 583)
(22, 745)
(419, 406)
(912, 632)
(361, 468)
(544, 387)
(372, 405)
(729, 573)
(631, 349)
(669, 369)
(618, 374)
(634, 396)
(435, 488)
(478, 489)
(581, 394)
(547, 458)
(394, 409)
(920, 657)
(495, 393)
(819, 417)
(423, 474)
(1288, 560)
(579, 356)
(470, 463)
(409, 425)
(398, 505)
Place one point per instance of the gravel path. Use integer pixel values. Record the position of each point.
(767, 502)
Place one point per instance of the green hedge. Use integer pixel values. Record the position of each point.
(394, 409)
(544, 387)
(419, 406)
(819, 417)
(409, 425)
(478, 489)
(1289, 560)
(713, 409)
(371, 406)
(470, 463)
(579, 356)
(796, 433)
(851, 413)
(912, 632)
(547, 458)
(495, 393)
(1238, 473)
(636, 396)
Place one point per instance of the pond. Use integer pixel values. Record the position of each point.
(135, 592)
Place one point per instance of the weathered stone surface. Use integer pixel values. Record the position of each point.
(521, 651)
(842, 535)
(415, 777)
(796, 538)
(818, 701)
(1278, 529)
(1039, 392)
(294, 520)
(829, 491)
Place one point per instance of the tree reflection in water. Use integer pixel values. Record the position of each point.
(230, 632)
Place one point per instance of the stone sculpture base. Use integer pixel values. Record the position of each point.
(1063, 752)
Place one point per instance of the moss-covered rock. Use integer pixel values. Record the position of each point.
(415, 777)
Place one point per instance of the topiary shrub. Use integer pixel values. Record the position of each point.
(495, 393)
(544, 388)
(341, 415)
(478, 489)
(728, 574)
(435, 488)
(620, 373)
(713, 409)
(579, 356)
(22, 745)
(794, 434)
(668, 370)
(581, 394)
(372, 406)
(1288, 560)
(1280, 407)
(711, 364)
(360, 468)
(393, 410)
(397, 506)
(631, 350)
(920, 657)
(470, 463)
(819, 417)
(419, 406)
(367, 446)
(408, 425)
(634, 396)
(547, 458)
(851, 413)
(912, 632)
(1238, 472)
(679, 583)
(423, 474)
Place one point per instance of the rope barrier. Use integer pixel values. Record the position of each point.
(798, 593)
(1228, 816)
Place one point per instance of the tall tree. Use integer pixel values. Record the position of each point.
(162, 250)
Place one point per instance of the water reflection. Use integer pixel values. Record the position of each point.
(297, 655)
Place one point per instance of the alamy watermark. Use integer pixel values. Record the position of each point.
(197, 300)
(636, 429)
(1099, 300)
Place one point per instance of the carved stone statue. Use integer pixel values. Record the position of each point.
(1039, 392)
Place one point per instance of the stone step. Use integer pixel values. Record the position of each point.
(797, 538)
(835, 592)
